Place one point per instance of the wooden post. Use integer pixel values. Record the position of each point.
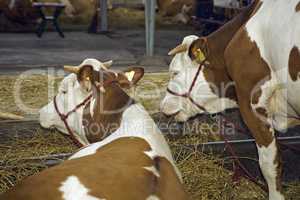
(150, 26)
(102, 16)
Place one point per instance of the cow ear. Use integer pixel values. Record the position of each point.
(130, 77)
(85, 77)
(198, 50)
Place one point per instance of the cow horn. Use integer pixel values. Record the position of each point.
(180, 48)
(72, 69)
(11, 116)
(108, 64)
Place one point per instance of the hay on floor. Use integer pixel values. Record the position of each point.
(204, 176)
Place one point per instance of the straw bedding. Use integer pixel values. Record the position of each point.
(205, 177)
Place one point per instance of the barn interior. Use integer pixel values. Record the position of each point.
(26, 148)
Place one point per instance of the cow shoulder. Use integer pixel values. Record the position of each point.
(244, 62)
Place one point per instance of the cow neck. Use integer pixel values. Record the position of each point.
(107, 113)
(217, 43)
(219, 40)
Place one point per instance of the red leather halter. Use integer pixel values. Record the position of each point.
(64, 117)
(188, 94)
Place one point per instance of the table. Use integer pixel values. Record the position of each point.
(58, 8)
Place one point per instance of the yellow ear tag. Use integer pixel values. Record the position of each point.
(130, 75)
(200, 57)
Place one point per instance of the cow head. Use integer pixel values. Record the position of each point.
(103, 115)
(194, 64)
(108, 100)
(72, 91)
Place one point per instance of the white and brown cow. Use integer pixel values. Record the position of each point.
(252, 62)
(180, 10)
(72, 92)
(133, 163)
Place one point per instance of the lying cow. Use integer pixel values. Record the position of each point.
(73, 94)
(181, 10)
(252, 62)
(19, 10)
(134, 162)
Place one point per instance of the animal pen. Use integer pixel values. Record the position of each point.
(199, 150)
(216, 164)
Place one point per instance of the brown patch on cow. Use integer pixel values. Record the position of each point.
(115, 171)
(297, 8)
(108, 111)
(294, 63)
(168, 189)
(247, 68)
(214, 47)
(262, 111)
(172, 8)
(109, 105)
(256, 96)
(85, 72)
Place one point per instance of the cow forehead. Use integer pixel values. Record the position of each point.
(182, 60)
(189, 39)
(96, 64)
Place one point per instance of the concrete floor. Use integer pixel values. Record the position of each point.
(19, 52)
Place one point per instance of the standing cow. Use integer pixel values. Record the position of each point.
(252, 62)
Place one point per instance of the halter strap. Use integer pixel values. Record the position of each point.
(64, 117)
(188, 94)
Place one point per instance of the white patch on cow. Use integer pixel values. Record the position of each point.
(182, 60)
(70, 94)
(183, 16)
(73, 189)
(135, 122)
(69, 10)
(96, 64)
(267, 156)
(153, 170)
(185, 71)
(275, 37)
(273, 99)
(130, 75)
(92, 106)
(153, 197)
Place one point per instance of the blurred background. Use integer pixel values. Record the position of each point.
(123, 38)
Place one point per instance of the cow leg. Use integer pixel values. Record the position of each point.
(269, 159)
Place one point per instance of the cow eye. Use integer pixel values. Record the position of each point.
(64, 92)
(173, 74)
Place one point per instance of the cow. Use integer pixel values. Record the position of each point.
(180, 10)
(133, 162)
(183, 10)
(23, 8)
(19, 11)
(71, 93)
(252, 63)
